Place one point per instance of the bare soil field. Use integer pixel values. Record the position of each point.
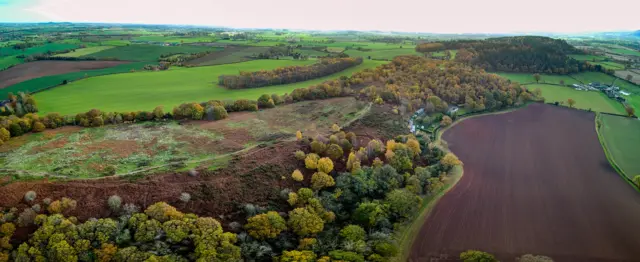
(24, 72)
(634, 73)
(536, 181)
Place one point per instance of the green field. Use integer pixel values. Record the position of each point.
(590, 58)
(609, 65)
(146, 90)
(596, 101)
(116, 42)
(85, 51)
(9, 61)
(9, 51)
(37, 84)
(383, 53)
(623, 51)
(525, 78)
(623, 142)
(147, 52)
(175, 39)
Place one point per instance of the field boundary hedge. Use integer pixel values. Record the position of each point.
(608, 155)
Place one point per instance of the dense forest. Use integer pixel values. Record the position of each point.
(526, 54)
(416, 82)
(287, 75)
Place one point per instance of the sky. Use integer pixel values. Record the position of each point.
(454, 16)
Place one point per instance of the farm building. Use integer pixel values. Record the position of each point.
(452, 110)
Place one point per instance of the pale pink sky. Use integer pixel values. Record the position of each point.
(477, 16)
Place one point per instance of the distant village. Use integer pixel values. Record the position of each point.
(611, 91)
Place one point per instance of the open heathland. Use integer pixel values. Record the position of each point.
(37, 69)
(73, 152)
(146, 90)
(623, 142)
(148, 52)
(535, 180)
(594, 100)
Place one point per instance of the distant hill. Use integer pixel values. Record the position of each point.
(637, 33)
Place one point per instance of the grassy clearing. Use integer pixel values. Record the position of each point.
(525, 78)
(610, 65)
(85, 51)
(623, 51)
(590, 58)
(146, 90)
(9, 51)
(148, 52)
(383, 53)
(622, 140)
(37, 84)
(596, 101)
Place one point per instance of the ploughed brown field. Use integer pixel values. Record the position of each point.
(24, 72)
(536, 181)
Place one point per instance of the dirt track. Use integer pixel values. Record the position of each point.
(536, 181)
(24, 72)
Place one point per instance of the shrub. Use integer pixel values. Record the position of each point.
(185, 197)
(311, 161)
(36, 208)
(163, 212)
(265, 101)
(300, 155)
(114, 202)
(477, 256)
(4, 134)
(219, 112)
(267, 225)
(335, 128)
(341, 255)
(318, 147)
(334, 152)
(26, 217)
(320, 180)
(130, 209)
(325, 165)
(38, 127)
(46, 201)
(297, 175)
(30, 196)
(298, 135)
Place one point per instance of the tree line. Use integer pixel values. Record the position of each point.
(287, 75)
(24, 119)
(526, 54)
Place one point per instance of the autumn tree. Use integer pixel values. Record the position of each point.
(334, 152)
(561, 82)
(320, 180)
(298, 135)
(267, 225)
(630, 111)
(537, 77)
(402, 203)
(311, 161)
(297, 175)
(449, 160)
(325, 165)
(446, 121)
(571, 102)
(297, 256)
(305, 222)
